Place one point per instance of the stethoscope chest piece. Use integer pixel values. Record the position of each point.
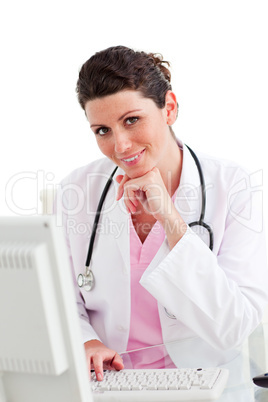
(86, 281)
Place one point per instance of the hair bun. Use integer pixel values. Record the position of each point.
(158, 61)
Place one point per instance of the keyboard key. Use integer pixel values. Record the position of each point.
(180, 384)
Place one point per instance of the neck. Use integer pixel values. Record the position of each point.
(171, 168)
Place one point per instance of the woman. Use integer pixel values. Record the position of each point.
(156, 280)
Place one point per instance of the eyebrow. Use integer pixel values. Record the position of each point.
(120, 118)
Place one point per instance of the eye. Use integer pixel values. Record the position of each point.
(102, 130)
(131, 120)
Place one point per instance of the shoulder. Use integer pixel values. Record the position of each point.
(225, 179)
(216, 171)
(75, 188)
(223, 171)
(98, 169)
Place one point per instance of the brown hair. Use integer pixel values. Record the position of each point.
(118, 68)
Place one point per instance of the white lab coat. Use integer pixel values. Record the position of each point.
(217, 297)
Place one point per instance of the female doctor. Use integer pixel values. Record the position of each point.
(155, 278)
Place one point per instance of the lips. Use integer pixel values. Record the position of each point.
(133, 159)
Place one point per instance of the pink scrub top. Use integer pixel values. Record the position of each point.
(145, 328)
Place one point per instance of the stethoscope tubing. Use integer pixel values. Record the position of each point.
(88, 277)
(97, 217)
(202, 184)
(201, 222)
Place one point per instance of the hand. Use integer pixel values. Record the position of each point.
(100, 357)
(151, 192)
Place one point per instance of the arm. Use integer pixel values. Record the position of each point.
(220, 296)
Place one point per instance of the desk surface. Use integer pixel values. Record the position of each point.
(243, 364)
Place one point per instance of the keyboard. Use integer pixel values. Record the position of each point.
(155, 385)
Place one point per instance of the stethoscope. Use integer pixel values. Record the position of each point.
(86, 280)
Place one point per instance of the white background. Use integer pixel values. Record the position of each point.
(219, 56)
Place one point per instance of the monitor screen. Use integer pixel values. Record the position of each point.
(41, 350)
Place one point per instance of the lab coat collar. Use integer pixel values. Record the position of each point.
(188, 196)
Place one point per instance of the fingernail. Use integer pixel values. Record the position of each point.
(99, 377)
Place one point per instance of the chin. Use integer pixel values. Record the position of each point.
(138, 172)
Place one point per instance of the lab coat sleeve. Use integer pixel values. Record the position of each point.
(220, 297)
(60, 209)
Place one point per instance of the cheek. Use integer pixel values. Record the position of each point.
(145, 133)
(105, 146)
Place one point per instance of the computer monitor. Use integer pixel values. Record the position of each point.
(42, 357)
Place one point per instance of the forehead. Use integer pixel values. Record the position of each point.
(115, 105)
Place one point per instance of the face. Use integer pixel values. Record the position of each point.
(132, 131)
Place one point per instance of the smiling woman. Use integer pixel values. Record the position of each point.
(134, 132)
(158, 264)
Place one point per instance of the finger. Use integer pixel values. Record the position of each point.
(144, 201)
(119, 178)
(88, 359)
(117, 362)
(133, 196)
(131, 208)
(122, 180)
(130, 199)
(141, 196)
(97, 363)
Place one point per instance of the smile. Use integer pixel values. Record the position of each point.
(134, 158)
(131, 159)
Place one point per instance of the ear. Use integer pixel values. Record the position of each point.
(171, 107)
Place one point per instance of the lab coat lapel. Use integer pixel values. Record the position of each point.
(119, 220)
(188, 197)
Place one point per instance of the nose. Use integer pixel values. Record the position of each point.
(122, 142)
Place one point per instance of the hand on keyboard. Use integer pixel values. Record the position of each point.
(100, 358)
